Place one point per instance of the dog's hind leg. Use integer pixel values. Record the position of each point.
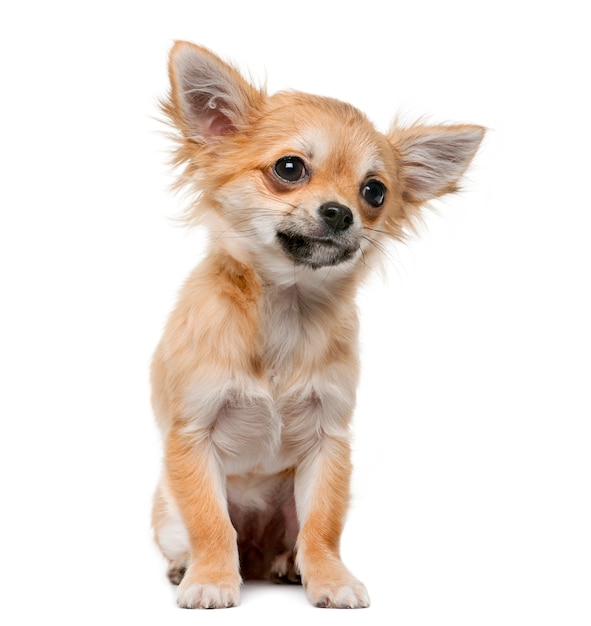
(284, 569)
(170, 534)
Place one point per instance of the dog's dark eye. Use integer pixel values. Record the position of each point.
(373, 192)
(290, 169)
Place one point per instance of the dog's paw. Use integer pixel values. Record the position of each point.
(175, 574)
(284, 569)
(194, 595)
(176, 570)
(341, 594)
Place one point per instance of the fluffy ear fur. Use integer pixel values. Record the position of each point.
(434, 158)
(209, 98)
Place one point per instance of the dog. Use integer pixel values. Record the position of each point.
(254, 379)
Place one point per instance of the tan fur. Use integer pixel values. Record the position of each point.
(254, 379)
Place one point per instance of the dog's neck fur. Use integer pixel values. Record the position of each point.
(303, 314)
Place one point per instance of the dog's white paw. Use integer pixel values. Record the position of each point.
(207, 595)
(284, 569)
(349, 594)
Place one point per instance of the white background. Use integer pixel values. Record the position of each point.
(472, 438)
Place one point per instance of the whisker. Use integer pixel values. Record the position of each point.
(377, 230)
(323, 280)
(258, 195)
(241, 235)
(379, 246)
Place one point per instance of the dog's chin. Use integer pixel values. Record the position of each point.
(316, 252)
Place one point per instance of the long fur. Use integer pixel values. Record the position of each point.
(254, 379)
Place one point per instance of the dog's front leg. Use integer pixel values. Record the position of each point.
(212, 579)
(322, 495)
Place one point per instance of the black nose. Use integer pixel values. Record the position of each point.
(336, 216)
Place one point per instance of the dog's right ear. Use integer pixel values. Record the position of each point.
(209, 98)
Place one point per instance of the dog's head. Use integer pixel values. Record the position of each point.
(294, 179)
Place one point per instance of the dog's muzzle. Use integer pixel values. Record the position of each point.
(329, 240)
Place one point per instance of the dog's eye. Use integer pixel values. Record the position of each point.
(373, 192)
(290, 169)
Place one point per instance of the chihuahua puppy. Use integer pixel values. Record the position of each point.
(255, 377)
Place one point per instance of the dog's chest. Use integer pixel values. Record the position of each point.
(300, 394)
(292, 333)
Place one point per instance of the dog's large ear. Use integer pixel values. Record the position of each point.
(208, 98)
(433, 158)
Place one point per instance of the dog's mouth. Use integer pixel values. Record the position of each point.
(316, 252)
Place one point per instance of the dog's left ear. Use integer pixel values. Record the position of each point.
(433, 158)
(209, 98)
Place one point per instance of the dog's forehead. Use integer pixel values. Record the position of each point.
(341, 150)
(330, 133)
